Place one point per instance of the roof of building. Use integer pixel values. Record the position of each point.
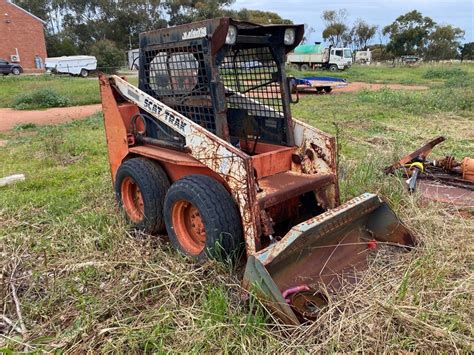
(26, 12)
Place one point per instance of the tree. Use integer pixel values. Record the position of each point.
(336, 31)
(308, 31)
(109, 57)
(257, 16)
(185, 11)
(444, 43)
(362, 33)
(467, 51)
(409, 34)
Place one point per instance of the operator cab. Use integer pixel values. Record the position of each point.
(227, 76)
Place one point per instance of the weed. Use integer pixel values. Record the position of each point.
(24, 126)
(442, 100)
(40, 98)
(444, 73)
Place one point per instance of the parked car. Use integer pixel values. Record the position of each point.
(10, 68)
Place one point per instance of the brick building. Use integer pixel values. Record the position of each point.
(21, 35)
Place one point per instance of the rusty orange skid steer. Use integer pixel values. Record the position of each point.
(206, 147)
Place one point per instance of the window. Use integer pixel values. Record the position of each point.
(348, 53)
(339, 52)
(3, 62)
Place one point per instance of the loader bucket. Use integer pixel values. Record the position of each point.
(316, 257)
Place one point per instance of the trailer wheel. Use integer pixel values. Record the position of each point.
(202, 219)
(140, 188)
(319, 89)
(304, 67)
(333, 67)
(327, 89)
(84, 73)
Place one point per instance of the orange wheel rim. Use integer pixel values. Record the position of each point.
(132, 199)
(189, 227)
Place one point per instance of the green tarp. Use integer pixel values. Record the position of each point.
(309, 49)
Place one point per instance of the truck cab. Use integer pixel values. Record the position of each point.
(340, 58)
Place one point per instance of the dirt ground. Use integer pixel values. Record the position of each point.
(358, 86)
(9, 118)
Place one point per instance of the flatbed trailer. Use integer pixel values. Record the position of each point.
(317, 84)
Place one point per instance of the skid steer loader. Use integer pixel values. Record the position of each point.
(206, 147)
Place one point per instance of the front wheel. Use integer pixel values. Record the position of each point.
(333, 68)
(16, 71)
(84, 73)
(202, 219)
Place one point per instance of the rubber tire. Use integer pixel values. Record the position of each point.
(219, 214)
(84, 73)
(153, 183)
(16, 71)
(304, 67)
(319, 90)
(333, 68)
(327, 90)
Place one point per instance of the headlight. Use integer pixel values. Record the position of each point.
(289, 36)
(231, 35)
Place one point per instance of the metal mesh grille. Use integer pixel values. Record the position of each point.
(178, 77)
(251, 80)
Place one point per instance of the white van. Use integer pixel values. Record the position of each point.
(73, 65)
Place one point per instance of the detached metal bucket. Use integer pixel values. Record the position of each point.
(322, 253)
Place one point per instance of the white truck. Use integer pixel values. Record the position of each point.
(74, 65)
(363, 57)
(311, 56)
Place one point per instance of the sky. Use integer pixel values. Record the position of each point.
(458, 13)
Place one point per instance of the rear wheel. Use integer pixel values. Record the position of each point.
(304, 67)
(140, 187)
(202, 219)
(327, 89)
(319, 89)
(16, 71)
(84, 73)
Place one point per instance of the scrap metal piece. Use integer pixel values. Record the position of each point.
(422, 152)
(444, 180)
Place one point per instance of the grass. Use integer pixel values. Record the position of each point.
(85, 283)
(79, 91)
(39, 99)
(423, 74)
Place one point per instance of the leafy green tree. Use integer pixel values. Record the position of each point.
(362, 33)
(257, 16)
(109, 57)
(409, 34)
(444, 43)
(336, 31)
(185, 11)
(467, 51)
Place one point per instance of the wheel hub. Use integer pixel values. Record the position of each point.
(132, 200)
(189, 227)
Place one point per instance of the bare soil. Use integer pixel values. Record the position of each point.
(9, 118)
(358, 86)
